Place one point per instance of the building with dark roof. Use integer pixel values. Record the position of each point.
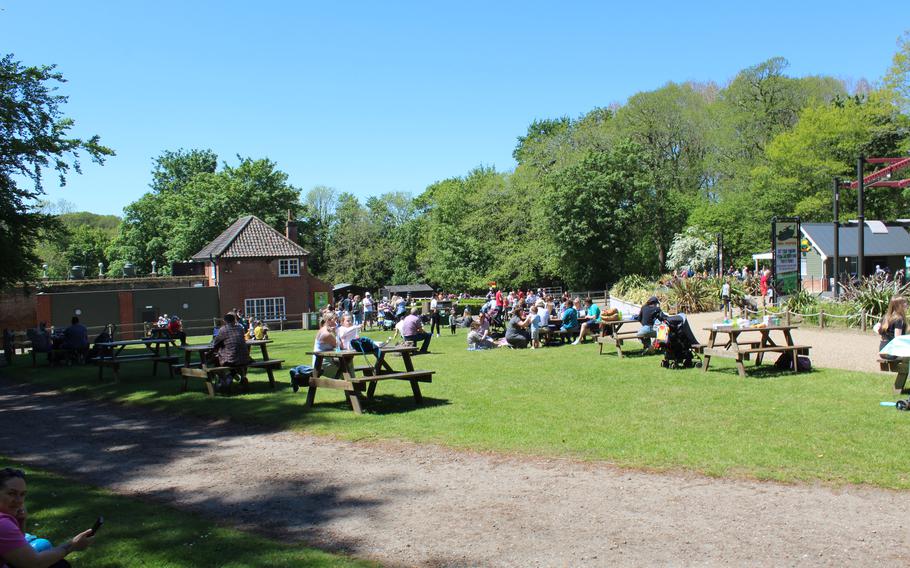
(262, 272)
(885, 246)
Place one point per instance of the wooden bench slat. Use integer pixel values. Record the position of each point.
(421, 376)
(777, 349)
(276, 363)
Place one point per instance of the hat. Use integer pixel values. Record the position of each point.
(653, 300)
(366, 294)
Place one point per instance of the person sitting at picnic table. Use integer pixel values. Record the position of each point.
(478, 339)
(412, 330)
(592, 325)
(229, 346)
(347, 331)
(516, 334)
(893, 323)
(40, 338)
(175, 328)
(75, 337)
(569, 318)
(261, 331)
(651, 316)
(15, 550)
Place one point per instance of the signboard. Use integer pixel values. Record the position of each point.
(785, 244)
(907, 269)
(322, 300)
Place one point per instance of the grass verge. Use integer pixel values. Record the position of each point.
(140, 534)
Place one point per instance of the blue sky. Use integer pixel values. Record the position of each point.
(370, 97)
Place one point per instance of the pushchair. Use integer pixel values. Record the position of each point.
(386, 320)
(676, 346)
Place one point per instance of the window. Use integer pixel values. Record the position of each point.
(289, 267)
(264, 308)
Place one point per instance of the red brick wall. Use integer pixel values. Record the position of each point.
(18, 311)
(250, 278)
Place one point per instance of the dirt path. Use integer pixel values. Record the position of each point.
(849, 349)
(404, 504)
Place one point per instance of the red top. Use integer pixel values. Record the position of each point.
(11, 537)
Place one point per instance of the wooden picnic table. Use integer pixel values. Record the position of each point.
(611, 332)
(202, 371)
(346, 378)
(740, 348)
(115, 357)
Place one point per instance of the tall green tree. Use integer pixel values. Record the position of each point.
(34, 138)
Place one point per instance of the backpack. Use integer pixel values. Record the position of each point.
(785, 363)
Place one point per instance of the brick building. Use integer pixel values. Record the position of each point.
(261, 271)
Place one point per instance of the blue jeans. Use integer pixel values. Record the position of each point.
(420, 336)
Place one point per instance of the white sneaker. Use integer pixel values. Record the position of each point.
(576, 342)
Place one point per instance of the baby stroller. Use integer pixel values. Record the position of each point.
(386, 320)
(677, 348)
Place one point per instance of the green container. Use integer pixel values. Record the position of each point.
(312, 320)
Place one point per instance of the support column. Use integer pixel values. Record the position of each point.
(125, 300)
(43, 310)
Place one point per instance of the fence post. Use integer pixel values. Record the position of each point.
(787, 315)
(821, 318)
(864, 320)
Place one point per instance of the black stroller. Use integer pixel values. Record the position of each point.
(677, 346)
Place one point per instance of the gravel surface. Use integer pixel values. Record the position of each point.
(404, 504)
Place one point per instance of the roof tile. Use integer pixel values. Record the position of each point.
(250, 237)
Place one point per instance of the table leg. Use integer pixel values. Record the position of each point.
(408, 364)
(317, 366)
(706, 358)
(371, 390)
(415, 387)
(740, 367)
(265, 352)
(311, 395)
(354, 399)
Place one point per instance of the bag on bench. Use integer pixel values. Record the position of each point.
(299, 375)
(785, 363)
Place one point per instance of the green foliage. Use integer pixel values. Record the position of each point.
(694, 295)
(33, 138)
(190, 205)
(873, 294)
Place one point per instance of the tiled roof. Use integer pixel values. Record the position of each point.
(250, 237)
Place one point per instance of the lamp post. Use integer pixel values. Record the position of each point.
(836, 263)
(860, 217)
(154, 264)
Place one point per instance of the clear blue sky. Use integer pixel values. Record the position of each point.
(370, 97)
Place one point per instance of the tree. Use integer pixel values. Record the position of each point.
(897, 79)
(693, 249)
(194, 205)
(33, 138)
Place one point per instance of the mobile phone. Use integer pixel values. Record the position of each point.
(99, 522)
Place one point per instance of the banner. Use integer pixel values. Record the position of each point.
(785, 237)
(322, 300)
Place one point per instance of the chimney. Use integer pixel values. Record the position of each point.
(290, 230)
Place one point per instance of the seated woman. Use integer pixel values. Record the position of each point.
(893, 323)
(14, 550)
(466, 318)
(650, 317)
(478, 339)
(516, 334)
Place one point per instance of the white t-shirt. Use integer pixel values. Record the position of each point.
(367, 304)
(725, 290)
(433, 304)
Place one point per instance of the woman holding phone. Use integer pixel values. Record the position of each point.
(15, 552)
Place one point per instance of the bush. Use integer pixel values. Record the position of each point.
(873, 294)
(693, 295)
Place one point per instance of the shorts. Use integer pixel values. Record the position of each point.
(535, 334)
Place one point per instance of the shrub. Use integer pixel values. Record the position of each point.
(873, 294)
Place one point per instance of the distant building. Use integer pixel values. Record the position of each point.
(885, 245)
(261, 271)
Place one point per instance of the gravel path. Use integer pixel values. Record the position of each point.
(849, 349)
(404, 504)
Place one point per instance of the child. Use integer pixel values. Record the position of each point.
(478, 339)
(536, 322)
(453, 322)
(725, 299)
(347, 331)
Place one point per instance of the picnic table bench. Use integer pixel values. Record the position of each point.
(741, 349)
(346, 378)
(202, 370)
(901, 366)
(611, 332)
(112, 355)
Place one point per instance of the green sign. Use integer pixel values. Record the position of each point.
(322, 300)
(786, 247)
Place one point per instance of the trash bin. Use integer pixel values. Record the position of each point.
(312, 320)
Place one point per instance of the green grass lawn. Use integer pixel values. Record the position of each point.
(139, 534)
(567, 401)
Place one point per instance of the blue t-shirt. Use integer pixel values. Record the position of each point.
(536, 321)
(594, 313)
(570, 318)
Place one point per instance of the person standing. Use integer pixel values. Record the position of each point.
(368, 310)
(434, 314)
(725, 299)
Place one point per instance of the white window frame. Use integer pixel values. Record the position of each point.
(289, 268)
(266, 309)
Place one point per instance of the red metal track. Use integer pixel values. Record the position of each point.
(875, 178)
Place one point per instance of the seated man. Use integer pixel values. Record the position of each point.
(412, 330)
(40, 338)
(229, 346)
(592, 325)
(175, 329)
(75, 337)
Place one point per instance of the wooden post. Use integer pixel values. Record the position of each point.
(787, 315)
(863, 319)
(821, 318)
